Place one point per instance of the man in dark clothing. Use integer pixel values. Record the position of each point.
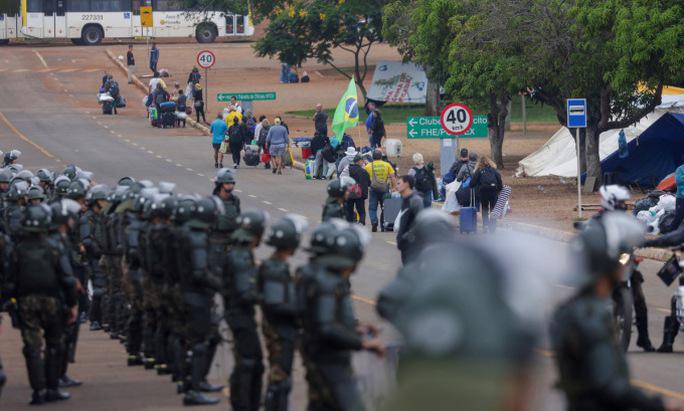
(130, 63)
(377, 130)
(362, 179)
(488, 184)
(236, 142)
(318, 142)
(411, 205)
(594, 373)
(320, 121)
(333, 207)
(182, 105)
(154, 57)
(456, 167)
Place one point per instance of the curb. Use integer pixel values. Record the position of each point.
(657, 254)
(143, 88)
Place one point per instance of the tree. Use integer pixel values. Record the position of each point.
(313, 29)
(617, 53)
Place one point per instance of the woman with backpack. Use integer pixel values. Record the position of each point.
(487, 181)
(425, 182)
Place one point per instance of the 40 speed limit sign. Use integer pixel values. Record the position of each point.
(456, 119)
(206, 59)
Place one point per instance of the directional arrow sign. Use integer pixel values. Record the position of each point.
(430, 127)
(254, 96)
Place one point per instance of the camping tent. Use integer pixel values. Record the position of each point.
(557, 156)
(652, 156)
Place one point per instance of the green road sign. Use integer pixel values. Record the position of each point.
(270, 95)
(429, 127)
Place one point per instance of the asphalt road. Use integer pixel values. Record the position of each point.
(47, 110)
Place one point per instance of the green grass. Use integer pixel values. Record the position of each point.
(397, 113)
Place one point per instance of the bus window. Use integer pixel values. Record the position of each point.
(108, 5)
(135, 7)
(230, 26)
(240, 24)
(35, 6)
(78, 5)
(168, 5)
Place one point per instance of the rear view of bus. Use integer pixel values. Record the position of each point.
(90, 21)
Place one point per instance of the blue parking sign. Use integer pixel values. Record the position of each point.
(577, 113)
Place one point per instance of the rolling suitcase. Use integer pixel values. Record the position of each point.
(168, 119)
(390, 210)
(467, 220)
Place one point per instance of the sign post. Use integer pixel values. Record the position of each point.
(577, 118)
(456, 119)
(206, 59)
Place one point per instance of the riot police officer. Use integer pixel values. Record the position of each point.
(35, 195)
(331, 331)
(16, 200)
(199, 285)
(5, 254)
(113, 310)
(279, 305)
(593, 370)
(65, 214)
(93, 238)
(240, 295)
(77, 193)
(46, 177)
(334, 204)
(41, 280)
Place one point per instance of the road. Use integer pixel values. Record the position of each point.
(48, 111)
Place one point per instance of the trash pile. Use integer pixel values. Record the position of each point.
(657, 210)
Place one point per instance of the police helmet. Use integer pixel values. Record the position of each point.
(602, 243)
(70, 171)
(5, 176)
(348, 246)
(431, 226)
(184, 210)
(205, 213)
(36, 193)
(286, 233)
(45, 175)
(251, 226)
(76, 190)
(24, 175)
(166, 206)
(17, 190)
(99, 192)
(62, 184)
(225, 176)
(11, 156)
(126, 181)
(336, 189)
(36, 218)
(318, 244)
(166, 187)
(14, 168)
(613, 197)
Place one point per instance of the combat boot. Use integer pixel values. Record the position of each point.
(149, 363)
(205, 386)
(197, 398)
(66, 382)
(163, 369)
(56, 395)
(95, 326)
(643, 340)
(670, 330)
(134, 360)
(37, 397)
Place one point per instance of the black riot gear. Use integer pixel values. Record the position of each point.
(62, 184)
(45, 175)
(126, 181)
(348, 248)
(251, 226)
(37, 218)
(336, 189)
(36, 193)
(284, 234)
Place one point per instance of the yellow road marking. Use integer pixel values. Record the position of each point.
(24, 138)
(364, 300)
(658, 390)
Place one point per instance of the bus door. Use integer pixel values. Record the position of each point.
(54, 20)
(35, 19)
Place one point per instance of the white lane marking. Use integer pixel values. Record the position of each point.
(159, 157)
(190, 170)
(134, 144)
(391, 242)
(112, 131)
(150, 152)
(71, 95)
(105, 126)
(127, 140)
(251, 195)
(200, 174)
(94, 118)
(119, 135)
(267, 202)
(284, 210)
(20, 70)
(66, 91)
(42, 60)
(168, 160)
(237, 190)
(179, 165)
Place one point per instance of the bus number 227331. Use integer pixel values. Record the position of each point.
(92, 17)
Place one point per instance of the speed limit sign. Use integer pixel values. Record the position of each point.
(206, 59)
(456, 119)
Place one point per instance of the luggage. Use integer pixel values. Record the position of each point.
(168, 119)
(468, 220)
(168, 106)
(107, 107)
(501, 207)
(121, 102)
(252, 157)
(265, 157)
(390, 211)
(181, 115)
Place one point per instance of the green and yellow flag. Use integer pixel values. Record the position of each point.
(346, 114)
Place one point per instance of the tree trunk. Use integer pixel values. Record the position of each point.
(432, 106)
(497, 126)
(592, 154)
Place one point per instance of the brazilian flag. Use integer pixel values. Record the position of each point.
(346, 114)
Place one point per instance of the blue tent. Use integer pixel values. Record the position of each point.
(657, 152)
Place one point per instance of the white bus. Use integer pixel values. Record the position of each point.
(90, 21)
(10, 27)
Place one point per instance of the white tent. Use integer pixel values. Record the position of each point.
(557, 156)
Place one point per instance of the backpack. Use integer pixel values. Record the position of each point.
(328, 153)
(488, 178)
(113, 88)
(423, 180)
(263, 133)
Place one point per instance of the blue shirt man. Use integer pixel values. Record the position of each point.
(154, 57)
(218, 134)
